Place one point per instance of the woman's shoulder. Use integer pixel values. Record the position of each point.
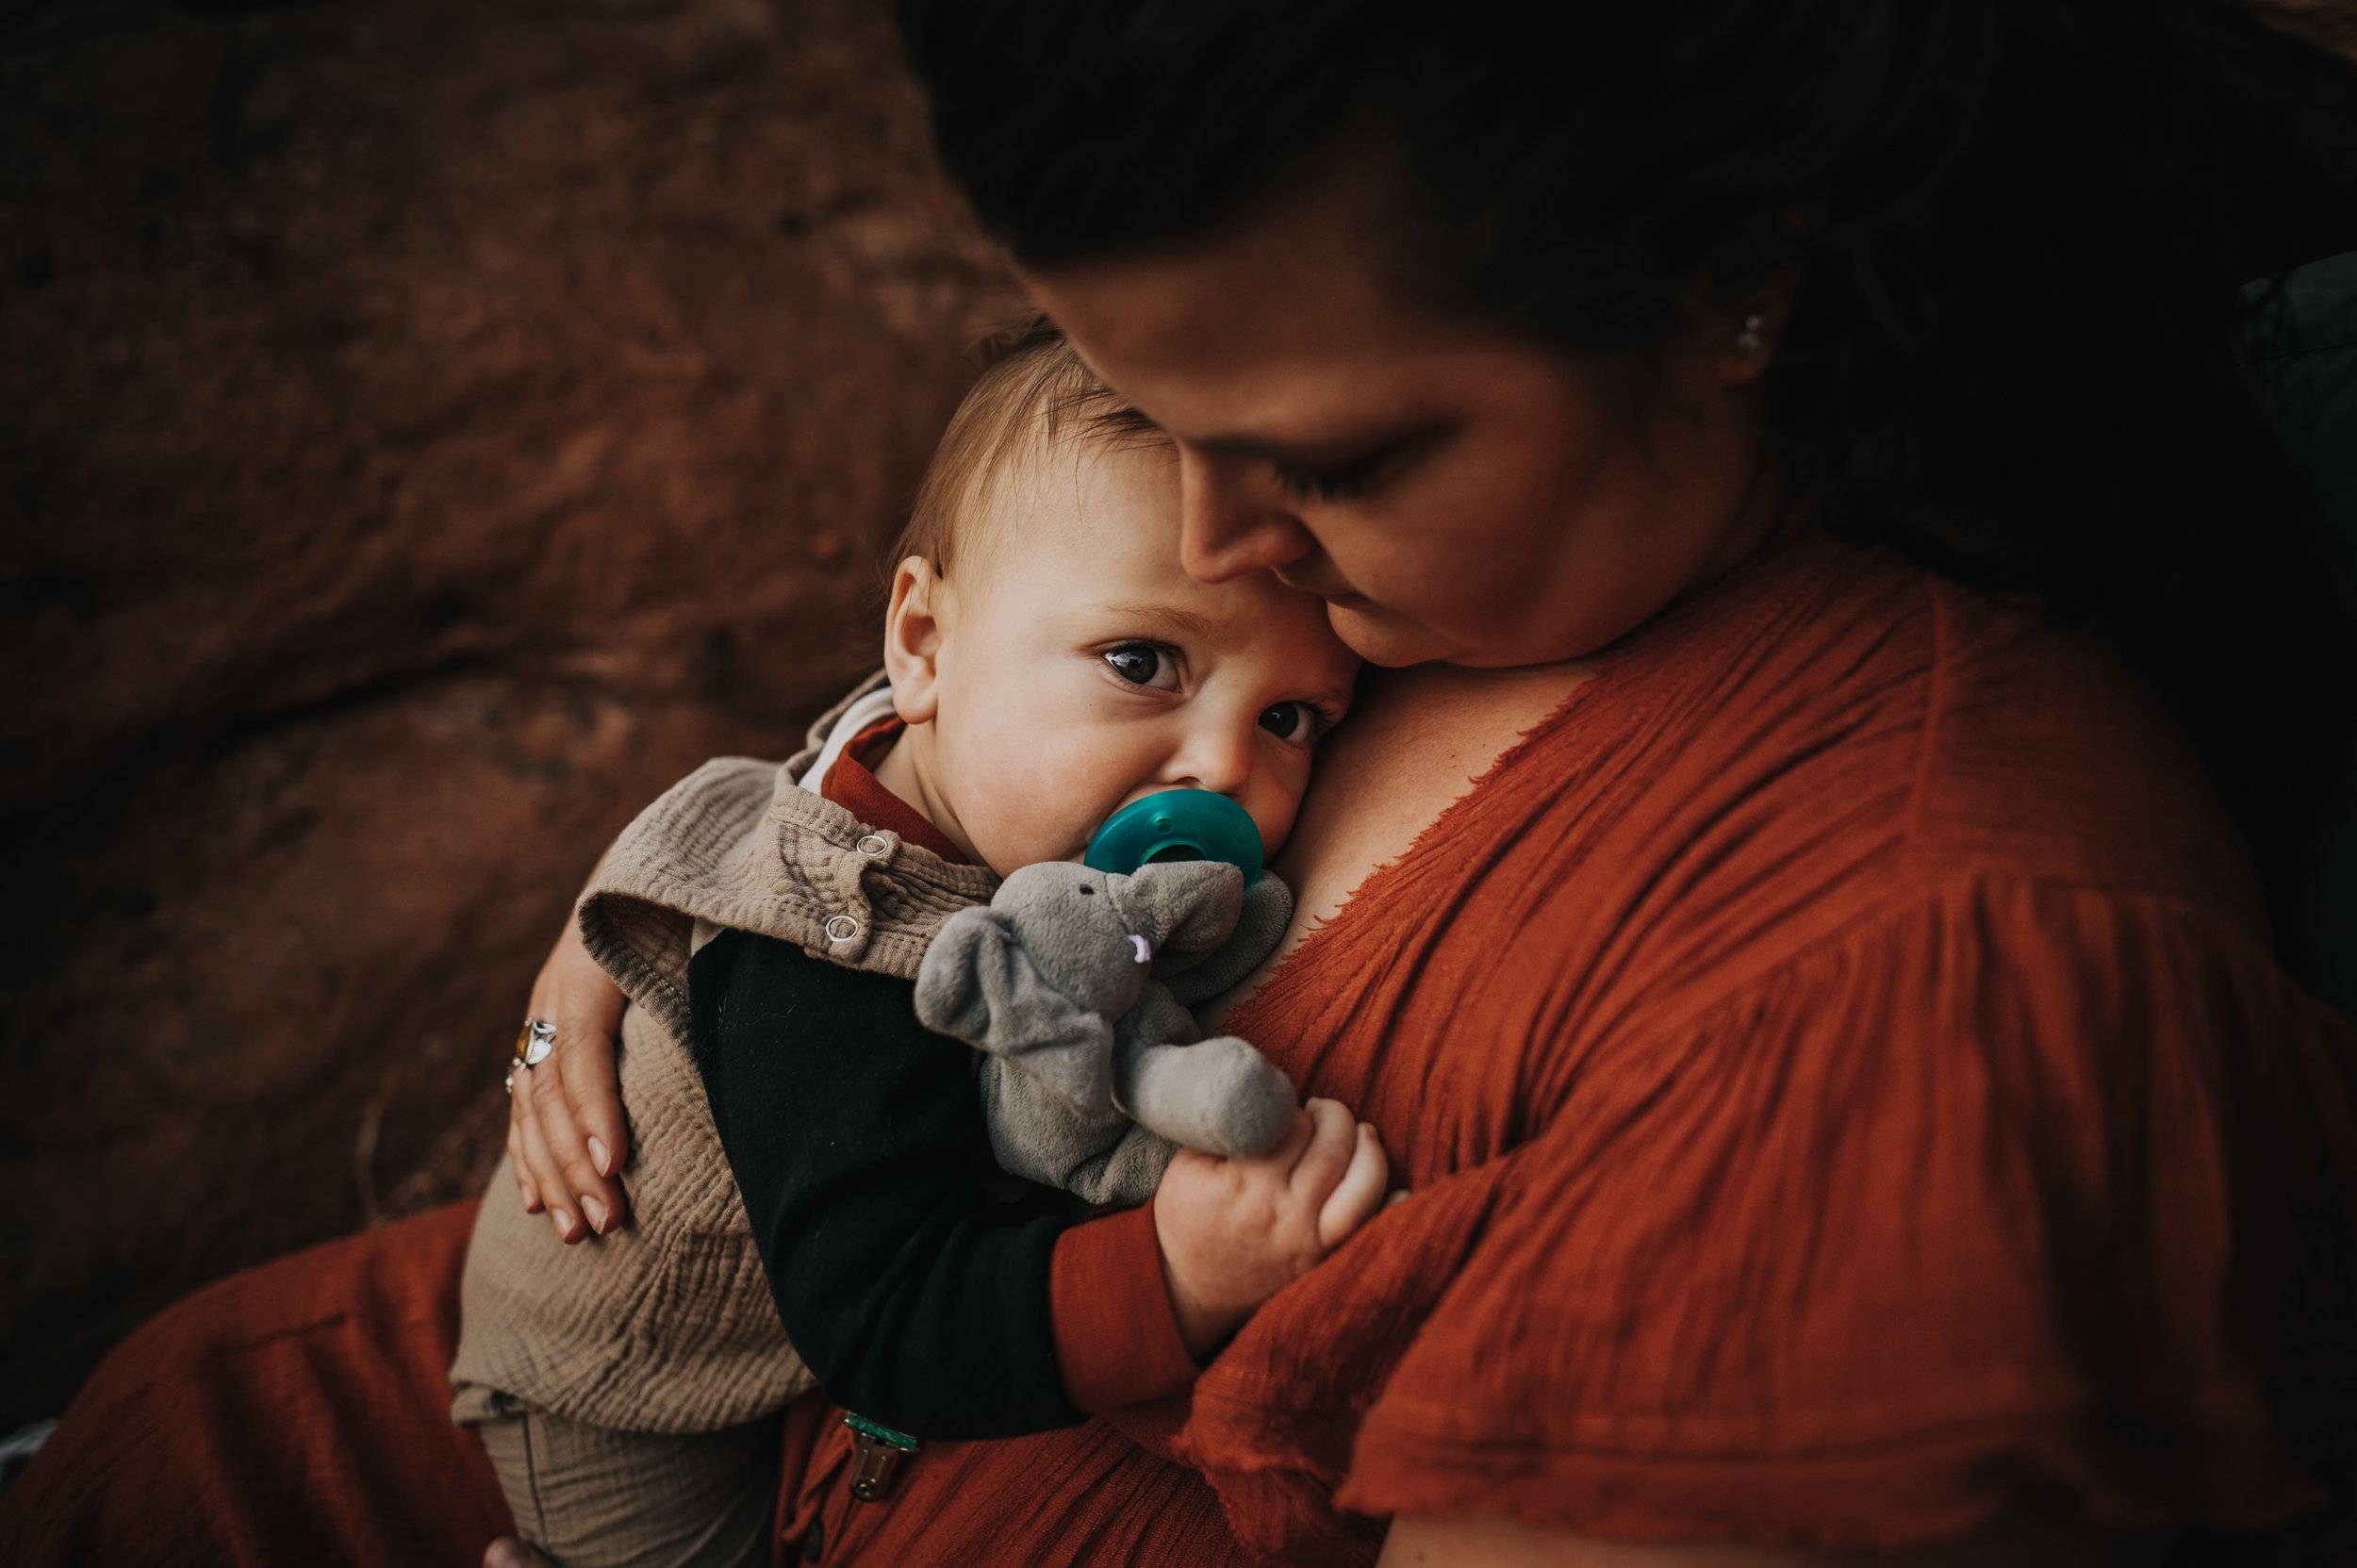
(2043, 755)
(1929, 731)
(1795, 763)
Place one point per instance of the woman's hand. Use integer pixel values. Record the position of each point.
(565, 1129)
(1234, 1233)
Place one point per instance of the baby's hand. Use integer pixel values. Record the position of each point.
(1234, 1233)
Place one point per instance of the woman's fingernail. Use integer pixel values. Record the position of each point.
(563, 1223)
(506, 1552)
(599, 1158)
(596, 1211)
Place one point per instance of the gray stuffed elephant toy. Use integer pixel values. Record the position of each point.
(1074, 984)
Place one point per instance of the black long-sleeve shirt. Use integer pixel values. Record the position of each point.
(915, 1296)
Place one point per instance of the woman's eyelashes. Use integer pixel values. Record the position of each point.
(1337, 481)
(1144, 664)
(1332, 484)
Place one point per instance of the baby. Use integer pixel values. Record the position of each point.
(1047, 662)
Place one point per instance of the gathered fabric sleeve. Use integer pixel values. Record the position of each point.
(2014, 1189)
(2011, 1192)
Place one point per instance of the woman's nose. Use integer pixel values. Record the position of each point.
(1227, 527)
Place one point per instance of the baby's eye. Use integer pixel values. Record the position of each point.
(1296, 722)
(1144, 664)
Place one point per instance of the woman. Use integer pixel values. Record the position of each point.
(1825, 1016)
(1510, 358)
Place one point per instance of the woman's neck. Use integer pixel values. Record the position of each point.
(1774, 509)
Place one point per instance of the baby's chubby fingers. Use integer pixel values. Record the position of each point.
(1289, 1149)
(1333, 1138)
(1358, 1194)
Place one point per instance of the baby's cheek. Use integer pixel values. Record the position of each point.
(1275, 805)
(1044, 802)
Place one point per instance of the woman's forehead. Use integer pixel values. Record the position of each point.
(1281, 331)
(1093, 526)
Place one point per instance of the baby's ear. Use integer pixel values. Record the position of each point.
(1185, 905)
(913, 640)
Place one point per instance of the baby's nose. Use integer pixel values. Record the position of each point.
(1218, 762)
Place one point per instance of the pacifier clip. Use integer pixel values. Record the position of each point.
(876, 1457)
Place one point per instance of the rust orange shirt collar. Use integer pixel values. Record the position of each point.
(852, 783)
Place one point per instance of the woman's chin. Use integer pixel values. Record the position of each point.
(1385, 638)
(1391, 640)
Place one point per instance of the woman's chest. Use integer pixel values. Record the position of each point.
(1426, 955)
(1416, 745)
(1489, 946)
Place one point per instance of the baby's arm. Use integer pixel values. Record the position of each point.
(858, 1144)
(1234, 1233)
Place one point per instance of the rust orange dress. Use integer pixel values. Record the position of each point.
(1846, 1094)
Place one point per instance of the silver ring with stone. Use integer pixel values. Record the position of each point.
(534, 1042)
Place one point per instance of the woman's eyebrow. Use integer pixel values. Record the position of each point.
(1323, 451)
(1273, 451)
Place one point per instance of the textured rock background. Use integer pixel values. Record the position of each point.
(427, 427)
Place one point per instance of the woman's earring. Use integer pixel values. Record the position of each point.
(1750, 339)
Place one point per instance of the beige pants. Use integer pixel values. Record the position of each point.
(594, 1498)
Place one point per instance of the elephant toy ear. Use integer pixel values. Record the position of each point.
(951, 994)
(1186, 906)
(979, 984)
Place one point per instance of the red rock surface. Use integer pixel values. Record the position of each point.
(427, 427)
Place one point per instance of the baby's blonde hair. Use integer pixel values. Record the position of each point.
(1033, 392)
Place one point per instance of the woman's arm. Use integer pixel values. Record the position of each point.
(565, 1134)
(2022, 1543)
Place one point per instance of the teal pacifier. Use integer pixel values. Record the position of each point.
(1177, 824)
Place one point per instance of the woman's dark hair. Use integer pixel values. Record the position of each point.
(2010, 355)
